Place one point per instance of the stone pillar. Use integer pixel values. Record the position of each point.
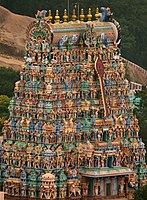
(102, 187)
(114, 185)
(126, 182)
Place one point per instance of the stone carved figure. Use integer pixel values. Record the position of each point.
(63, 192)
(103, 159)
(121, 184)
(74, 189)
(96, 188)
(84, 189)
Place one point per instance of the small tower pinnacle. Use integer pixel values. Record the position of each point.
(89, 16)
(65, 17)
(74, 17)
(57, 17)
(82, 16)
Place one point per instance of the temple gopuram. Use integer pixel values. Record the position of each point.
(71, 133)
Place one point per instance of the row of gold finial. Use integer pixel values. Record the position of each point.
(74, 17)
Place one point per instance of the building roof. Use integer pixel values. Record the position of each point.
(48, 176)
(78, 27)
(105, 172)
(14, 180)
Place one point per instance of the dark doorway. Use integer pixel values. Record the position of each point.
(104, 136)
(90, 189)
(108, 189)
(110, 161)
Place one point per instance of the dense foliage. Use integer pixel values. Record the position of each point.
(132, 16)
(8, 77)
(141, 194)
(4, 113)
(141, 113)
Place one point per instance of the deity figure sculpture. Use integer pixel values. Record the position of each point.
(74, 189)
(84, 189)
(103, 159)
(63, 192)
(96, 188)
(121, 184)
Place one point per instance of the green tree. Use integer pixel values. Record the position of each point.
(141, 193)
(8, 77)
(4, 112)
(141, 113)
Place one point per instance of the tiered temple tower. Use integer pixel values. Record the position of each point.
(71, 131)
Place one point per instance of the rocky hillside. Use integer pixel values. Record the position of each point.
(12, 42)
(12, 38)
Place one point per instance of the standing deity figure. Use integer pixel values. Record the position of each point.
(103, 159)
(121, 184)
(74, 189)
(85, 189)
(96, 188)
(63, 192)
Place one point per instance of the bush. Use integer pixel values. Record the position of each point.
(4, 112)
(141, 193)
(8, 77)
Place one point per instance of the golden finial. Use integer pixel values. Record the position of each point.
(57, 17)
(89, 16)
(97, 14)
(82, 16)
(49, 17)
(74, 17)
(65, 17)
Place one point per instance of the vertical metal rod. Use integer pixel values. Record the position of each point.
(78, 11)
(139, 172)
(68, 10)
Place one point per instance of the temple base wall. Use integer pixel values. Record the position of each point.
(129, 197)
